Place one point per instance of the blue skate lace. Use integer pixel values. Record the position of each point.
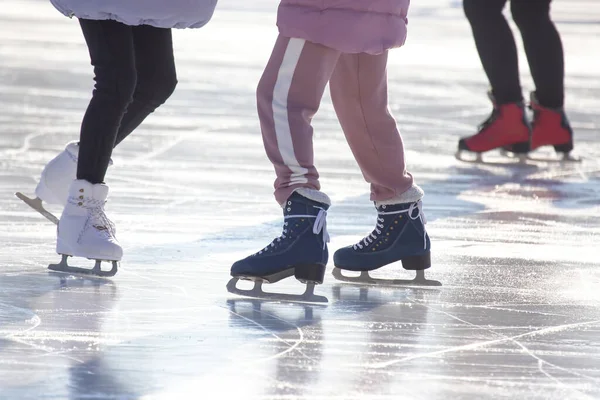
(319, 226)
(372, 237)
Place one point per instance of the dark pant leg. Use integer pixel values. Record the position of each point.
(156, 75)
(496, 47)
(544, 49)
(110, 45)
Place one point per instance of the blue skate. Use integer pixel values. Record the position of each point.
(399, 235)
(301, 250)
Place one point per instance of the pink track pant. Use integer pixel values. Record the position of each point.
(289, 94)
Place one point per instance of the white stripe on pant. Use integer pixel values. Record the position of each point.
(288, 96)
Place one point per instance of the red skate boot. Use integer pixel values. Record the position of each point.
(507, 128)
(551, 128)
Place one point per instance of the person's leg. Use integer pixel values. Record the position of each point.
(84, 230)
(111, 50)
(288, 96)
(544, 50)
(545, 55)
(359, 93)
(507, 127)
(156, 76)
(496, 47)
(360, 97)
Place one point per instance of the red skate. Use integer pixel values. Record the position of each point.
(550, 128)
(507, 128)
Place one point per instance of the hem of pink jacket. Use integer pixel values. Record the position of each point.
(344, 30)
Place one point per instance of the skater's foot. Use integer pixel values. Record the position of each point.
(506, 128)
(301, 250)
(84, 230)
(399, 235)
(550, 128)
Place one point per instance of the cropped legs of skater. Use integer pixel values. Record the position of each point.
(508, 126)
(134, 73)
(288, 96)
(127, 60)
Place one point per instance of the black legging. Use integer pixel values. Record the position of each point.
(498, 52)
(135, 73)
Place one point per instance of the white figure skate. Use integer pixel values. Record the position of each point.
(84, 230)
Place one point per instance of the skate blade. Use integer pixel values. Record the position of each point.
(63, 266)
(365, 278)
(459, 155)
(257, 293)
(561, 159)
(529, 158)
(512, 159)
(37, 205)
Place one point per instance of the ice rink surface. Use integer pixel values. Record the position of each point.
(515, 246)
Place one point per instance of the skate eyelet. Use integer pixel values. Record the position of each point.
(81, 197)
(289, 203)
(80, 190)
(80, 204)
(289, 209)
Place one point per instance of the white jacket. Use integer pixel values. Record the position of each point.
(159, 13)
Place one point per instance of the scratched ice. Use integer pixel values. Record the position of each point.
(516, 247)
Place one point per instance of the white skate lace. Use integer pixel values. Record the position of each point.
(97, 219)
(373, 236)
(319, 226)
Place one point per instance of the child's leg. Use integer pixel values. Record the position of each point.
(496, 47)
(84, 230)
(156, 75)
(543, 48)
(111, 50)
(359, 92)
(288, 96)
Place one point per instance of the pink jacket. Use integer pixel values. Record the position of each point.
(351, 26)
